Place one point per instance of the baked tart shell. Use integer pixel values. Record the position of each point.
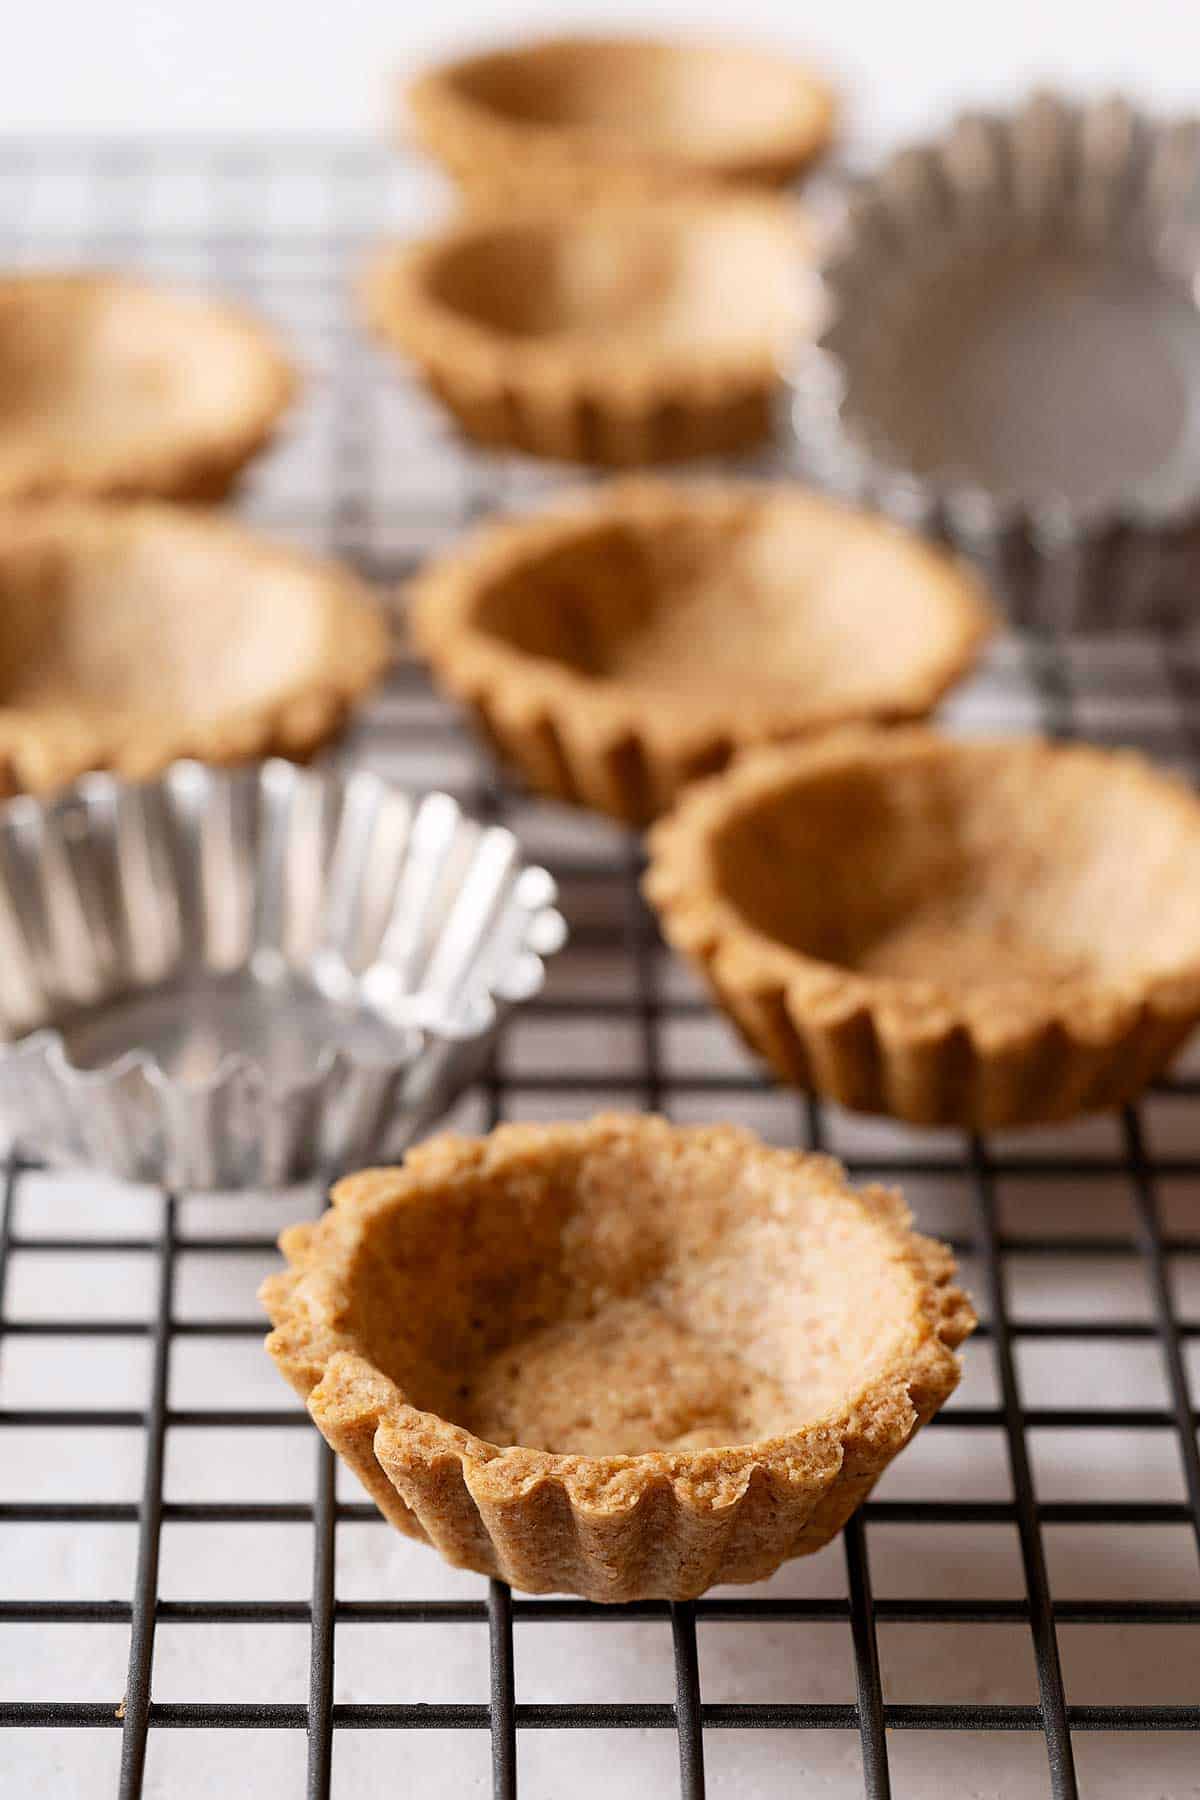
(111, 388)
(621, 338)
(613, 1525)
(624, 644)
(582, 119)
(136, 634)
(1032, 960)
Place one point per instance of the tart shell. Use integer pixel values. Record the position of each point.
(96, 332)
(612, 1527)
(98, 597)
(608, 392)
(922, 1048)
(505, 126)
(627, 750)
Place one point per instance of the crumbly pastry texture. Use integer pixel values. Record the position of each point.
(113, 388)
(581, 119)
(626, 334)
(974, 933)
(619, 1359)
(134, 634)
(619, 646)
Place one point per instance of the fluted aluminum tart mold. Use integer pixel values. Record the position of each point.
(225, 979)
(1009, 357)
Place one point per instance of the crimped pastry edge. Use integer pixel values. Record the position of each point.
(608, 748)
(42, 751)
(494, 158)
(171, 470)
(556, 397)
(888, 1046)
(613, 1528)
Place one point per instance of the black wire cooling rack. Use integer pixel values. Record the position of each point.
(1082, 1246)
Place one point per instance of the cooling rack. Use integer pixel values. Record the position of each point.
(194, 1600)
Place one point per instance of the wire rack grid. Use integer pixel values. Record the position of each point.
(1019, 1605)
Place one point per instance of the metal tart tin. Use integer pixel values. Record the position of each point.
(1009, 357)
(236, 978)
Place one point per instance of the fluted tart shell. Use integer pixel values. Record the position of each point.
(587, 118)
(111, 387)
(972, 933)
(134, 634)
(618, 646)
(625, 334)
(617, 1359)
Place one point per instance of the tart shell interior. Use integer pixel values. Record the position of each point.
(722, 278)
(678, 100)
(168, 622)
(994, 868)
(130, 635)
(792, 604)
(110, 385)
(623, 1299)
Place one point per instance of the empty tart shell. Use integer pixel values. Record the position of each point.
(964, 933)
(134, 634)
(587, 118)
(619, 1359)
(111, 387)
(617, 647)
(623, 334)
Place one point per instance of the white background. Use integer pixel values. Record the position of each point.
(308, 65)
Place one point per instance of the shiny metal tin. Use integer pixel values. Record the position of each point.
(1009, 357)
(226, 979)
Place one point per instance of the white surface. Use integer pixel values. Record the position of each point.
(223, 65)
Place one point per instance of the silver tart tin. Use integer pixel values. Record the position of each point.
(227, 979)
(1009, 357)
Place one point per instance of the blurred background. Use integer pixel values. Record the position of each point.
(279, 67)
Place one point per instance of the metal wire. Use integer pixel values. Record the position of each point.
(1041, 1616)
(384, 528)
(503, 1691)
(143, 1618)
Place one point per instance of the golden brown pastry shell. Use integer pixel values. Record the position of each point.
(1012, 919)
(113, 388)
(587, 118)
(892, 622)
(487, 1238)
(627, 335)
(134, 634)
